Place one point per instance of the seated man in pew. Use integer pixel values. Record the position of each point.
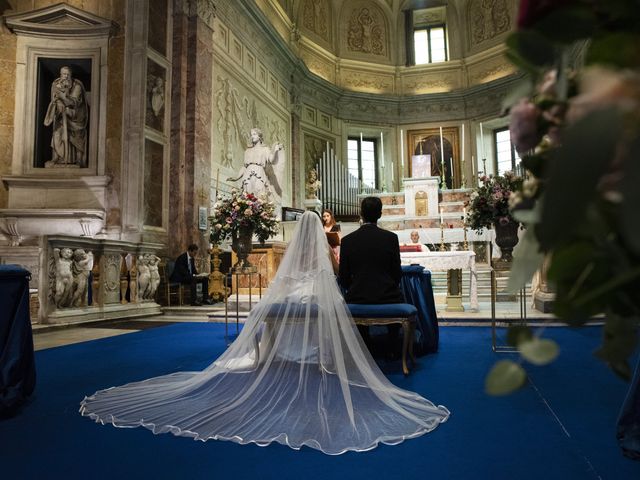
(185, 272)
(369, 269)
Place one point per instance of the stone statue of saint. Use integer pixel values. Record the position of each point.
(157, 96)
(313, 184)
(68, 113)
(257, 175)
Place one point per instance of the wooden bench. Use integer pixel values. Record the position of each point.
(386, 314)
(363, 314)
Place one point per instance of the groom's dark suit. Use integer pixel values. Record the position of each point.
(182, 274)
(370, 266)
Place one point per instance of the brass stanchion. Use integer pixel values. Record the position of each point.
(217, 291)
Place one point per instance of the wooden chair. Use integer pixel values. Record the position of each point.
(171, 288)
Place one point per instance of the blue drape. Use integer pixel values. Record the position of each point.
(416, 287)
(17, 363)
(628, 429)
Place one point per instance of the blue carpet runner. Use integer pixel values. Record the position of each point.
(560, 426)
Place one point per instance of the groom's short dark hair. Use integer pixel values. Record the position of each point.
(371, 209)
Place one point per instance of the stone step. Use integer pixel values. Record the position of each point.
(393, 210)
(391, 198)
(456, 195)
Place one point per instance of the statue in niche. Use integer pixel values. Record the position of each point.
(81, 268)
(157, 96)
(68, 113)
(257, 175)
(63, 260)
(313, 184)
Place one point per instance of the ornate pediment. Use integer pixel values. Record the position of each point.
(60, 21)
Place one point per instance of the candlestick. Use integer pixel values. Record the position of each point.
(444, 182)
(463, 182)
(451, 170)
(465, 244)
(401, 153)
(442, 247)
(441, 146)
(462, 145)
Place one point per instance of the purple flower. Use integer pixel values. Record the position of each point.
(524, 125)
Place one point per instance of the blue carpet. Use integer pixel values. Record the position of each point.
(560, 426)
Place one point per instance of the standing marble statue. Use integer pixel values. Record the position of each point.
(62, 263)
(144, 277)
(257, 174)
(154, 276)
(81, 268)
(68, 113)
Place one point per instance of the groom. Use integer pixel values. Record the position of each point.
(370, 263)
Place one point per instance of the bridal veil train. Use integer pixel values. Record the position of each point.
(298, 374)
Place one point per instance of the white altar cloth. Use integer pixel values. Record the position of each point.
(443, 261)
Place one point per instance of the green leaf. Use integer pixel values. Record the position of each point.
(574, 170)
(566, 25)
(535, 164)
(523, 88)
(527, 259)
(629, 220)
(532, 47)
(616, 49)
(517, 334)
(505, 377)
(539, 351)
(618, 343)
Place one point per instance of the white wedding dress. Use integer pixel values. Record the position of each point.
(298, 374)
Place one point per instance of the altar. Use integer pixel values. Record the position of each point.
(445, 261)
(266, 258)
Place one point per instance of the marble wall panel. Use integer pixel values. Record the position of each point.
(153, 168)
(113, 149)
(157, 32)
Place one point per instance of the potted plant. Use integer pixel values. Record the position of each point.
(489, 207)
(240, 217)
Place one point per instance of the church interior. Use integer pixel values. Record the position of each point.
(125, 124)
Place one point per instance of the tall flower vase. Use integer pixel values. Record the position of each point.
(241, 244)
(506, 238)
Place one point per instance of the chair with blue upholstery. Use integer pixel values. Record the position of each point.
(386, 314)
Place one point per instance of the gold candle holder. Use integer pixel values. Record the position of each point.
(465, 244)
(217, 291)
(442, 247)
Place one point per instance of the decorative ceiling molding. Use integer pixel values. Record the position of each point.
(60, 21)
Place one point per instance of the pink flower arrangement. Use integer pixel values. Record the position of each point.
(242, 212)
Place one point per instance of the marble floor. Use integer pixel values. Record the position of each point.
(50, 336)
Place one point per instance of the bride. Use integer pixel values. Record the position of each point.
(298, 374)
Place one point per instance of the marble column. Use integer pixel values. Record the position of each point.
(191, 126)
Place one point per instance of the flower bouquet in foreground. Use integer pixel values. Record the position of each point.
(578, 133)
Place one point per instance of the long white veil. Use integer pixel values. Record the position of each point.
(298, 374)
